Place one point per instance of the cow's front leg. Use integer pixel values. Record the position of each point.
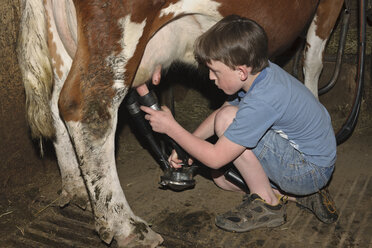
(313, 59)
(316, 39)
(92, 128)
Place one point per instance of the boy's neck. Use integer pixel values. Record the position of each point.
(249, 81)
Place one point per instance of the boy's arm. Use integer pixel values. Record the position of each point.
(212, 155)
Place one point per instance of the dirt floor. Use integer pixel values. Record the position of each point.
(29, 185)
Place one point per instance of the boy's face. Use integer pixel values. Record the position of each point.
(224, 77)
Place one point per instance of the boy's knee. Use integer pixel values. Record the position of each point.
(224, 118)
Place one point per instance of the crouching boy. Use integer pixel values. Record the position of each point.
(276, 133)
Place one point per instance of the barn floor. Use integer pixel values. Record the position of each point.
(29, 186)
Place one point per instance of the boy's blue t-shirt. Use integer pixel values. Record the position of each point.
(278, 101)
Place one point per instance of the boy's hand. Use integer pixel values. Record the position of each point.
(174, 161)
(160, 121)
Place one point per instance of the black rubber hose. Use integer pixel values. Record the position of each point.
(234, 177)
(340, 53)
(144, 128)
(347, 129)
(151, 101)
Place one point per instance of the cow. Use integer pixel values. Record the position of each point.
(79, 59)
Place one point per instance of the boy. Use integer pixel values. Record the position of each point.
(275, 131)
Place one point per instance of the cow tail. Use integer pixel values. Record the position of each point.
(36, 69)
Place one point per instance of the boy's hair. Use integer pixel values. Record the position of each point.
(234, 41)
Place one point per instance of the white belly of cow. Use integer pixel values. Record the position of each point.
(173, 42)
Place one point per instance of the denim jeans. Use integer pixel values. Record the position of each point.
(287, 168)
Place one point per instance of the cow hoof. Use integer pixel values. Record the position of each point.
(150, 239)
(105, 235)
(80, 201)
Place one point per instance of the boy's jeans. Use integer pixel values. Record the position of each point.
(287, 168)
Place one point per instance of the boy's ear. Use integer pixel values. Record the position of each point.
(244, 71)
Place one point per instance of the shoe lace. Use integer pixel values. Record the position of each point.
(245, 202)
(283, 199)
(328, 202)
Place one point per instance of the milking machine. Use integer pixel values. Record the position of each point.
(176, 179)
(161, 145)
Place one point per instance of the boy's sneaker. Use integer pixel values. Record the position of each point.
(321, 204)
(253, 213)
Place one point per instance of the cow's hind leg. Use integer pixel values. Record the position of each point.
(73, 187)
(92, 125)
(317, 36)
